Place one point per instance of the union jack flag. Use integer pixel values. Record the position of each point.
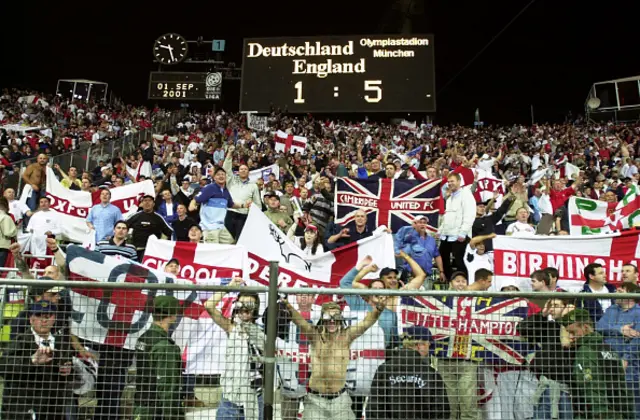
(471, 328)
(388, 202)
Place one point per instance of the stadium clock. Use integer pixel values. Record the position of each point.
(170, 49)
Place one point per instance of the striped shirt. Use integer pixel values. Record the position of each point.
(108, 247)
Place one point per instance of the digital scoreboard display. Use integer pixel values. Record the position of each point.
(185, 86)
(368, 73)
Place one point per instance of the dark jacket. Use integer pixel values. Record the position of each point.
(600, 389)
(158, 376)
(486, 225)
(593, 305)
(551, 359)
(406, 387)
(28, 386)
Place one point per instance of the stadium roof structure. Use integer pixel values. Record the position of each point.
(81, 88)
(618, 98)
(92, 82)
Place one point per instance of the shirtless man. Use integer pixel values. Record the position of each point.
(330, 350)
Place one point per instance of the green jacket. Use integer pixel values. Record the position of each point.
(600, 389)
(158, 377)
(276, 215)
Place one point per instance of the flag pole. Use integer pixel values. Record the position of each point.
(532, 118)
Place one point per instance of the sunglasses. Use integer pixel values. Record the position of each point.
(244, 306)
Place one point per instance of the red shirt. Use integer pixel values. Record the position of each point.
(559, 198)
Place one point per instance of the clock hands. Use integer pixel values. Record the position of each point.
(170, 48)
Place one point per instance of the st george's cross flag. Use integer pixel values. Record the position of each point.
(388, 202)
(198, 261)
(165, 139)
(470, 328)
(265, 242)
(289, 143)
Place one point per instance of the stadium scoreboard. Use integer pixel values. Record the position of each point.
(185, 86)
(374, 73)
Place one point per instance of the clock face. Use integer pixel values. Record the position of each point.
(170, 49)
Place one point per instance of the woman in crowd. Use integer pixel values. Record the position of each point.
(309, 242)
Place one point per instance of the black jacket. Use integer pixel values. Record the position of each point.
(486, 225)
(406, 387)
(27, 386)
(551, 360)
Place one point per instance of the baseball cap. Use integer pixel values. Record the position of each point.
(388, 270)
(175, 260)
(577, 315)
(481, 202)
(311, 227)
(417, 333)
(271, 194)
(147, 196)
(42, 307)
(166, 305)
(40, 290)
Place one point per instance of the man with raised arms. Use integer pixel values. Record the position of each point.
(331, 340)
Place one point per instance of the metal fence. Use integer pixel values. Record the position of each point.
(87, 156)
(323, 353)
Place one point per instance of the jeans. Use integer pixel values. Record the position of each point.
(542, 411)
(34, 200)
(3, 256)
(112, 373)
(230, 411)
(188, 386)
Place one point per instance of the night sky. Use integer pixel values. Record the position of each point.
(548, 57)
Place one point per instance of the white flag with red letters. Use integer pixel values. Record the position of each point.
(72, 207)
(515, 258)
(265, 242)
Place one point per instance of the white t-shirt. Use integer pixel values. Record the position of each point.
(604, 303)
(520, 229)
(475, 262)
(18, 209)
(486, 164)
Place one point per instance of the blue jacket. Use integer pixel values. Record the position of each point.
(162, 211)
(388, 320)
(422, 250)
(609, 326)
(593, 305)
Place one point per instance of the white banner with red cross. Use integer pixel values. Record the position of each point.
(72, 207)
(203, 344)
(289, 143)
(265, 242)
(515, 258)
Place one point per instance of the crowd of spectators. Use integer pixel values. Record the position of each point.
(203, 191)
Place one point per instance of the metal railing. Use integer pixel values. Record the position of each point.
(271, 356)
(87, 155)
